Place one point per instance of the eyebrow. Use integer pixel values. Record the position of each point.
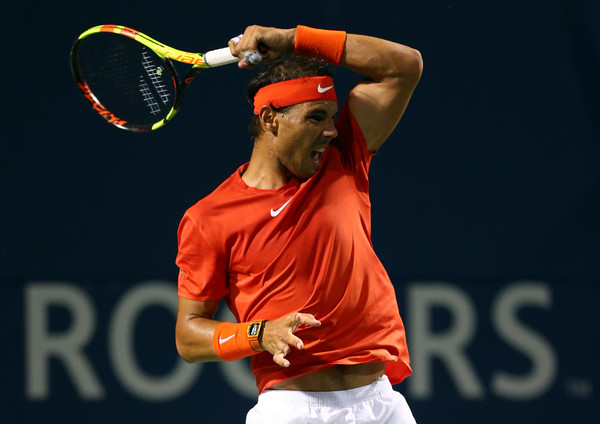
(319, 111)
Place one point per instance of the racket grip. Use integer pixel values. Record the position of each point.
(220, 57)
(223, 56)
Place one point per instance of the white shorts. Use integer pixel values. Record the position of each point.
(375, 403)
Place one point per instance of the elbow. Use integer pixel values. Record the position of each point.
(189, 349)
(413, 66)
(418, 62)
(185, 353)
(192, 350)
(406, 66)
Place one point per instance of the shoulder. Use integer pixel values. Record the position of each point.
(215, 199)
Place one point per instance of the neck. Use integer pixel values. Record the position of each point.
(264, 171)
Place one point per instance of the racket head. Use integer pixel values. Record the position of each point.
(126, 77)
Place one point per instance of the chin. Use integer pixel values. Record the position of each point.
(307, 173)
(305, 170)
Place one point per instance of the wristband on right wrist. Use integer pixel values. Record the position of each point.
(324, 44)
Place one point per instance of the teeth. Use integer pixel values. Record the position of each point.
(320, 149)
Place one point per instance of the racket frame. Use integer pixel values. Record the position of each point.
(164, 52)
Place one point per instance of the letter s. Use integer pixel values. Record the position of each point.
(525, 340)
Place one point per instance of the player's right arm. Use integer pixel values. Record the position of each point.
(195, 329)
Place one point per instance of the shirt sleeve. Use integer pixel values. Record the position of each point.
(352, 145)
(202, 272)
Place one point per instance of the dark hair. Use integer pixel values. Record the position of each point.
(282, 70)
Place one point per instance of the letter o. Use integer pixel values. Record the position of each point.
(122, 351)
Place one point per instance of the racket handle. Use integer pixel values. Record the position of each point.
(220, 57)
(223, 56)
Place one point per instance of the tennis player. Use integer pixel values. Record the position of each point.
(286, 239)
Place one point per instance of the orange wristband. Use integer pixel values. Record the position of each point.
(325, 44)
(235, 341)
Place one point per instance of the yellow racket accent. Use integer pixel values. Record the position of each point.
(162, 50)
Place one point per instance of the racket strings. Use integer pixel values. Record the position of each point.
(155, 74)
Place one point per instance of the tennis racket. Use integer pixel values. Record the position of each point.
(129, 78)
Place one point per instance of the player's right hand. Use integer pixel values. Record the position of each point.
(278, 335)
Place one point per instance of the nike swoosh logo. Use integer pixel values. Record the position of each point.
(278, 211)
(324, 89)
(221, 341)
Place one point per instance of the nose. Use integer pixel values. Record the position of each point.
(330, 131)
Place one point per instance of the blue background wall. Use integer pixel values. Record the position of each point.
(486, 211)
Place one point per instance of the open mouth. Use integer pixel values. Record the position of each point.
(317, 154)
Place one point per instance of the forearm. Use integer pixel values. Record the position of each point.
(373, 57)
(381, 60)
(198, 336)
(193, 336)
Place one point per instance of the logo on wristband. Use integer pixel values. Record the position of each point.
(254, 329)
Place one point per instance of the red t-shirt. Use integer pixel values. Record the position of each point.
(305, 247)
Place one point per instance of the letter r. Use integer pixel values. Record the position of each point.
(67, 346)
(449, 346)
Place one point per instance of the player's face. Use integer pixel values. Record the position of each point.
(304, 132)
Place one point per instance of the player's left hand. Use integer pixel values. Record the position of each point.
(278, 335)
(270, 43)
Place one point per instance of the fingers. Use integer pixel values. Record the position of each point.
(284, 349)
(279, 359)
(250, 51)
(280, 353)
(278, 337)
(307, 319)
(292, 340)
(261, 45)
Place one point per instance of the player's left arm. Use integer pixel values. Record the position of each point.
(393, 71)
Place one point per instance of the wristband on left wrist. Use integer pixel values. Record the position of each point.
(235, 341)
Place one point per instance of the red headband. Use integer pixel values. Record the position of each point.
(294, 91)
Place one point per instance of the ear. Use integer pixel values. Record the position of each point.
(268, 119)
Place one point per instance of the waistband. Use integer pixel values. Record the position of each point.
(339, 398)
